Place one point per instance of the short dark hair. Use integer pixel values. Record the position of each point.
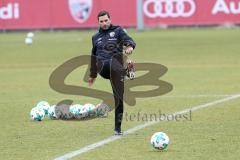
(103, 13)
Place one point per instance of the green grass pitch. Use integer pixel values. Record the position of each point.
(203, 66)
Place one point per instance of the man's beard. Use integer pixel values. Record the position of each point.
(105, 27)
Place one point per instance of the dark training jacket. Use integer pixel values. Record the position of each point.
(107, 43)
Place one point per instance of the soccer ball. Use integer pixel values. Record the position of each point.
(64, 111)
(54, 113)
(76, 111)
(88, 109)
(102, 110)
(82, 111)
(160, 140)
(37, 114)
(30, 34)
(28, 41)
(44, 106)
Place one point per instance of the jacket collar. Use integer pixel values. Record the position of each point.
(110, 28)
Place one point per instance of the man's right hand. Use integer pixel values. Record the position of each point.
(91, 81)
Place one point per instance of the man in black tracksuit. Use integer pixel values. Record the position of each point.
(107, 60)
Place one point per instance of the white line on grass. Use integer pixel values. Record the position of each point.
(138, 127)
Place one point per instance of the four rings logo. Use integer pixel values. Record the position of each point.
(80, 9)
(169, 8)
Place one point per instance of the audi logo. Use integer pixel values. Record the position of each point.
(169, 8)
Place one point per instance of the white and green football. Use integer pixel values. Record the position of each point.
(76, 111)
(37, 114)
(54, 113)
(43, 105)
(160, 141)
(88, 110)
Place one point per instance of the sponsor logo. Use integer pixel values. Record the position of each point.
(222, 6)
(112, 34)
(112, 39)
(169, 8)
(80, 9)
(10, 11)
